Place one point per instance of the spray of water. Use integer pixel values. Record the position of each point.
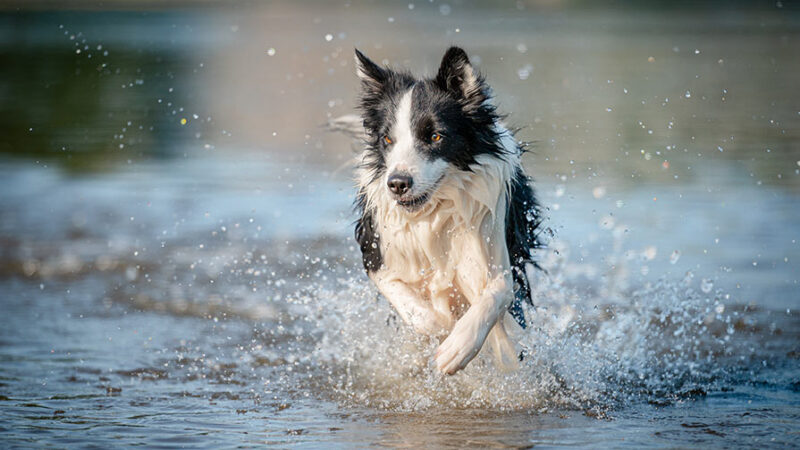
(594, 344)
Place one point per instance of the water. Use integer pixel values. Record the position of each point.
(167, 283)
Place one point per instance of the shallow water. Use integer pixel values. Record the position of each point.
(196, 284)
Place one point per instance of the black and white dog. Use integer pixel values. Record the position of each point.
(448, 220)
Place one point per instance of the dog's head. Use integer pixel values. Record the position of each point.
(419, 130)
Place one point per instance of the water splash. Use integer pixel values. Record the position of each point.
(591, 346)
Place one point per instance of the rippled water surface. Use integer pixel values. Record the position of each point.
(176, 259)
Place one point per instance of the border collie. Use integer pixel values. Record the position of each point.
(448, 220)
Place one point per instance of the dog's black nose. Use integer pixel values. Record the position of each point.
(400, 184)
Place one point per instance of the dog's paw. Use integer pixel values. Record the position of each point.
(459, 348)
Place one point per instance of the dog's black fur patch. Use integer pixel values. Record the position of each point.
(455, 104)
(523, 222)
(367, 236)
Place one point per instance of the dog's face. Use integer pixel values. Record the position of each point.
(420, 130)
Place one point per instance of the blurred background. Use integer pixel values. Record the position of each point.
(174, 218)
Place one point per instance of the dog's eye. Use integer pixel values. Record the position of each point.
(387, 140)
(436, 137)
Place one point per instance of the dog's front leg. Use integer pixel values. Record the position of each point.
(411, 308)
(471, 330)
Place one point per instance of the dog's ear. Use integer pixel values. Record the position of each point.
(373, 77)
(457, 76)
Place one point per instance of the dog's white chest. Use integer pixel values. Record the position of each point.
(444, 252)
(418, 249)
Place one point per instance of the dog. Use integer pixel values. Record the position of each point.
(448, 222)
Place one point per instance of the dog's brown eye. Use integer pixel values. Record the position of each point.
(387, 140)
(436, 137)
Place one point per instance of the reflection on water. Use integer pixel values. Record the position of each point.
(176, 264)
(71, 94)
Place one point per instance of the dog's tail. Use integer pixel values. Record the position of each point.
(350, 125)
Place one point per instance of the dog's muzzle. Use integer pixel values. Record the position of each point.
(400, 184)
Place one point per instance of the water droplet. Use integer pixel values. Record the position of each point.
(706, 285)
(525, 72)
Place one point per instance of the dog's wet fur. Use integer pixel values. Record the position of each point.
(448, 221)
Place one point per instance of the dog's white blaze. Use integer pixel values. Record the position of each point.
(403, 156)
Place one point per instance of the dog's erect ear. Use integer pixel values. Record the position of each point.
(457, 76)
(372, 75)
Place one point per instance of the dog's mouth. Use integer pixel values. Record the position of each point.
(414, 203)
